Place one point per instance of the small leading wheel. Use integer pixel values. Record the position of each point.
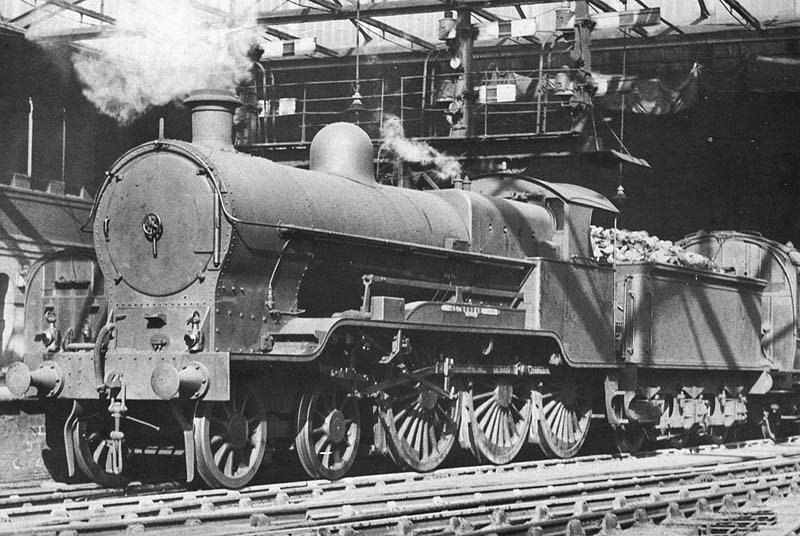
(90, 433)
(564, 419)
(231, 438)
(328, 432)
(499, 410)
(420, 424)
(629, 437)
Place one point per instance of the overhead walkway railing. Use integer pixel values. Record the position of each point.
(504, 103)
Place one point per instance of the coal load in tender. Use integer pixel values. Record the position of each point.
(622, 246)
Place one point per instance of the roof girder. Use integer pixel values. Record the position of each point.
(26, 19)
(334, 7)
(102, 17)
(383, 8)
(742, 11)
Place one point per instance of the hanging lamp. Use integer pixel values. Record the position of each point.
(356, 105)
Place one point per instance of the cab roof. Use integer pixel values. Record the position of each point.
(512, 184)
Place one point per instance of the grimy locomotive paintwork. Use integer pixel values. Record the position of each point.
(253, 307)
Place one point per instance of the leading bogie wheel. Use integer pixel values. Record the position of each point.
(93, 452)
(499, 412)
(328, 432)
(564, 417)
(231, 437)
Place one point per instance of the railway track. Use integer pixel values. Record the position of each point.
(522, 498)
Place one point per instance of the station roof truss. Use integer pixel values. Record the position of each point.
(92, 19)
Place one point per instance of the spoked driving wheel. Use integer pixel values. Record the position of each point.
(328, 432)
(93, 449)
(419, 417)
(564, 418)
(231, 438)
(499, 410)
(420, 424)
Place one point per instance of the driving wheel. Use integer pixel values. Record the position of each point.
(564, 418)
(499, 410)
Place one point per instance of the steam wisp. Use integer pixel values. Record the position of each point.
(159, 52)
(445, 168)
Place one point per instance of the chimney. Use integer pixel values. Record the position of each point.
(212, 117)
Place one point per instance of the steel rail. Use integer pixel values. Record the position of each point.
(404, 499)
(17, 496)
(517, 517)
(552, 517)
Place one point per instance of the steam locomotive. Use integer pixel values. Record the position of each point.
(251, 309)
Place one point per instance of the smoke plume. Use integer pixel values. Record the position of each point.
(445, 168)
(159, 52)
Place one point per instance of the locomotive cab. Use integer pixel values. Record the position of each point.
(570, 208)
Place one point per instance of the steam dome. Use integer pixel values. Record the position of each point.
(345, 150)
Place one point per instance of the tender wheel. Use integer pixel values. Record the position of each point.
(420, 425)
(92, 451)
(719, 434)
(629, 437)
(231, 438)
(564, 419)
(328, 432)
(681, 438)
(499, 411)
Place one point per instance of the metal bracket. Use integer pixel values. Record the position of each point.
(188, 437)
(367, 279)
(117, 408)
(69, 443)
(427, 383)
(398, 346)
(349, 375)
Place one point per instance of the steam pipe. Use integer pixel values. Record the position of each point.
(466, 36)
(217, 233)
(100, 348)
(30, 137)
(264, 99)
(425, 85)
(63, 143)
